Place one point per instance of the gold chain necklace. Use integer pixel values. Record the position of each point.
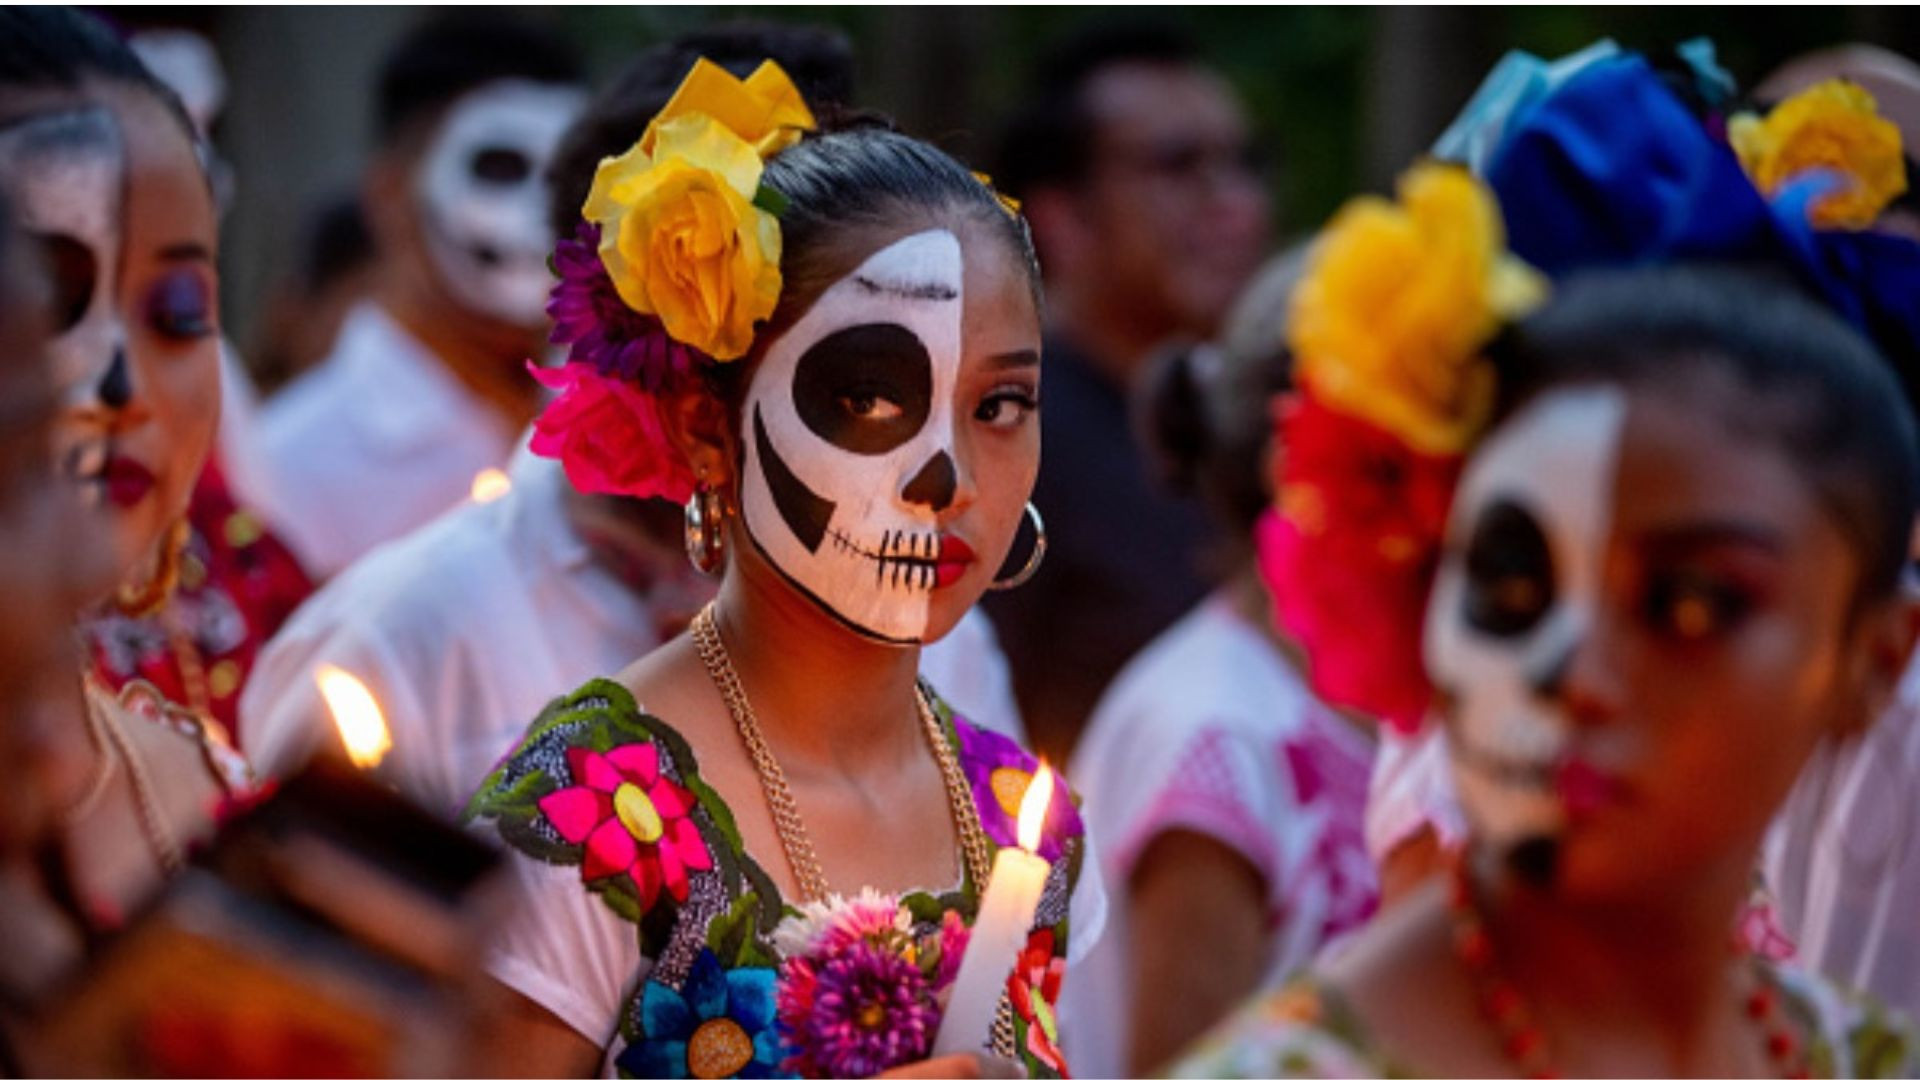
(787, 823)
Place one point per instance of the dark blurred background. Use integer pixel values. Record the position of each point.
(1344, 97)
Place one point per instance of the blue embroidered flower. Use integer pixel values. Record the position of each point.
(720, 1023)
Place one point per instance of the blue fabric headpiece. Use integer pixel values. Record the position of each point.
(1604, 165)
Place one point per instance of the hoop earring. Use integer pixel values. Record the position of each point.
(1034, 560)
(140, 601)
(706, 540)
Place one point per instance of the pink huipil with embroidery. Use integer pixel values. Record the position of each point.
(1212, 731)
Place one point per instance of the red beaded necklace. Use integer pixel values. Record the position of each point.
(1524, 1042)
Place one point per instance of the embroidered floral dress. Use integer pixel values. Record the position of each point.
(718, 975)
(1306, 1029)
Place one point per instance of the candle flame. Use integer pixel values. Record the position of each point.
(357, 716)
(490, 484)
(1033, 807)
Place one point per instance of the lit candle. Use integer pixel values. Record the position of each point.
(1000, 932)
(490, 484)
(355, 715)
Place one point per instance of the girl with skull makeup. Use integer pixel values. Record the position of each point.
(106, 175)
(1670, 571)
(757, 850)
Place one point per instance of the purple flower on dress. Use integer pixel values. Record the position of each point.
(600, 329)
(998, 772)
(854, 1008)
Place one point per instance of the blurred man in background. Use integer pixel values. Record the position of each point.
(1135, 165)
(426, 385)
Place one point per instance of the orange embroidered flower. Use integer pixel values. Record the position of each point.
(1833, 125)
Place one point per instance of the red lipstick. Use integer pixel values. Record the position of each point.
(955, 556)
(1585, 788)
(127, 481)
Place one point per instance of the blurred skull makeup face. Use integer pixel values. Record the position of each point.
(1516, 593)
(483, 196)
(66, 173)
(849, 455)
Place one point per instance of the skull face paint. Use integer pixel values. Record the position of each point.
(1516, 594)
(483, 196)
(66, 173)
(849, 438)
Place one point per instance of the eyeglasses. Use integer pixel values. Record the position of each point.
(1190, 162)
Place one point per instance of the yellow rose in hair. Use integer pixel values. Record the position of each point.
(766, 109)
(1833, 125)
(1397, 302)
(681, 237)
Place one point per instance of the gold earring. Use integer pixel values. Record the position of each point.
(706, 538)
(1034, 560)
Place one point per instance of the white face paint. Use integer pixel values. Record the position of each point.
(66, 174)
(1514, 597)
(848, 429)
(483, 196)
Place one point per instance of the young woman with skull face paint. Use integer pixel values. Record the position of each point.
(106, 175)
(864, 468)
(1673, 569)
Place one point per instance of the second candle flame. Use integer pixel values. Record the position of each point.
(356, 715)
(1033, 807)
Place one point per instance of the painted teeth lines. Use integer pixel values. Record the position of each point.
(910, 557)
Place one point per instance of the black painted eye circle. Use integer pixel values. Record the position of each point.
(865, 389)
(1509, 572)
(501, 165)
(73, 270)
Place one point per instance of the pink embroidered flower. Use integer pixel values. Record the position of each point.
(1034, 988)
(607, 433)
(631, 819)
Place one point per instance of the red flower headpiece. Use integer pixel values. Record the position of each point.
(1386, 329)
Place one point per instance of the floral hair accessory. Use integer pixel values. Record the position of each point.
(684, 233)
(1387, 329)
(1835, 127)
(1388, 322)
(857, 992)
(1007, 202)
(677, 261)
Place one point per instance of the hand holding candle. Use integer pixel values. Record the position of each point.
(1000, 932)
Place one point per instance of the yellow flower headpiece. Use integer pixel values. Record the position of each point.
(1834, 125)
(687, 234)
(1397, 302)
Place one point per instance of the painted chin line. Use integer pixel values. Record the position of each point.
(818, 601)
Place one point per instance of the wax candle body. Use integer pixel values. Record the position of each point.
(1006, 918)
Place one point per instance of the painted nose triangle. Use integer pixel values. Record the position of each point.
(934, 484)
(116, 386)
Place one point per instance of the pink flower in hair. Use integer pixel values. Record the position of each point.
(608, 435)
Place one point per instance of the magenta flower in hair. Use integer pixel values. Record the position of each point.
(607, 433)
(599, 328)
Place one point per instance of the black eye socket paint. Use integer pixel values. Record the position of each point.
(1509, 572)
(877, 360)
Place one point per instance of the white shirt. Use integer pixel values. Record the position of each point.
(1843, 858)
(1210, 730)
(376, 441)
(466, 629)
